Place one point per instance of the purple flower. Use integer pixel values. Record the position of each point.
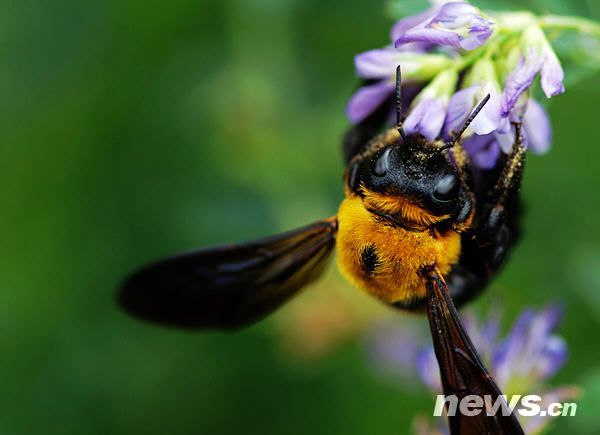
(449, 26)
(484, 337)
(484, 334)
(483, 146)
(381, 65)
(405, 24)
(455, 24)
(532, 352)
(484, 150)
(537, 127)
(520, 363)
(538, 56)
(427, 117)
(462, 104)
(522, 78)
(367, 99)
(378, 64)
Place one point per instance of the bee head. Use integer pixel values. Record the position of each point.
(411, 177)
(415, 171)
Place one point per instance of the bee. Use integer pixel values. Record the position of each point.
(416, 230)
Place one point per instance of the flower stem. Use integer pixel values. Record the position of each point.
(570, 23)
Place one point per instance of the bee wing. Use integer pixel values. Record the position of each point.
(229, 286)
(461, 370)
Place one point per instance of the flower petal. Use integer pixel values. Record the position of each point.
(377, 64)
(519, 81)
(552, 357)
(459, 107)
(473, 29)
(484, 334)
(403, 25)
(431, 36)
(488, 120)
(545, 322)
(367, 99)
(455, 14)
(531, 353)
(456, 24)
(483, 150)
(506, 359)
(552, 74)
(478, 33)
(426, 118)
(462, 104)
(537, 127)
(506, 141)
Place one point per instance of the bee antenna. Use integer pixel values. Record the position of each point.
(466, 124)
(399, 104)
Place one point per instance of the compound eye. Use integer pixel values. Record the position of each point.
(382, 165)
(353, 178)
(447, 188)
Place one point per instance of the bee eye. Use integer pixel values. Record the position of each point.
(353, 178)
(447, 188)
(382, 165)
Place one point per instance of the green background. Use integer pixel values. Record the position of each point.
(133, 129)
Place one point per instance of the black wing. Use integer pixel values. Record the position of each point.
(461, 370)
(229, 286)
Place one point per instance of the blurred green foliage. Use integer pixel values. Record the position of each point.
(134, 129)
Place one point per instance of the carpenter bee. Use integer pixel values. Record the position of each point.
(414, 230)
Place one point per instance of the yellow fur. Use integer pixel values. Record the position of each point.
(401, 253)
(391, 204)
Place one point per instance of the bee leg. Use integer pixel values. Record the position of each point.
(503, 198)
(496, 231)
(359, 135)
(463, 166)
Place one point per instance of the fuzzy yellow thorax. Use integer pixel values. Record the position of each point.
(385, 260)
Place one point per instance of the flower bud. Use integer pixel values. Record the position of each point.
(417, 66)
(429, 112)
(482, 72)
